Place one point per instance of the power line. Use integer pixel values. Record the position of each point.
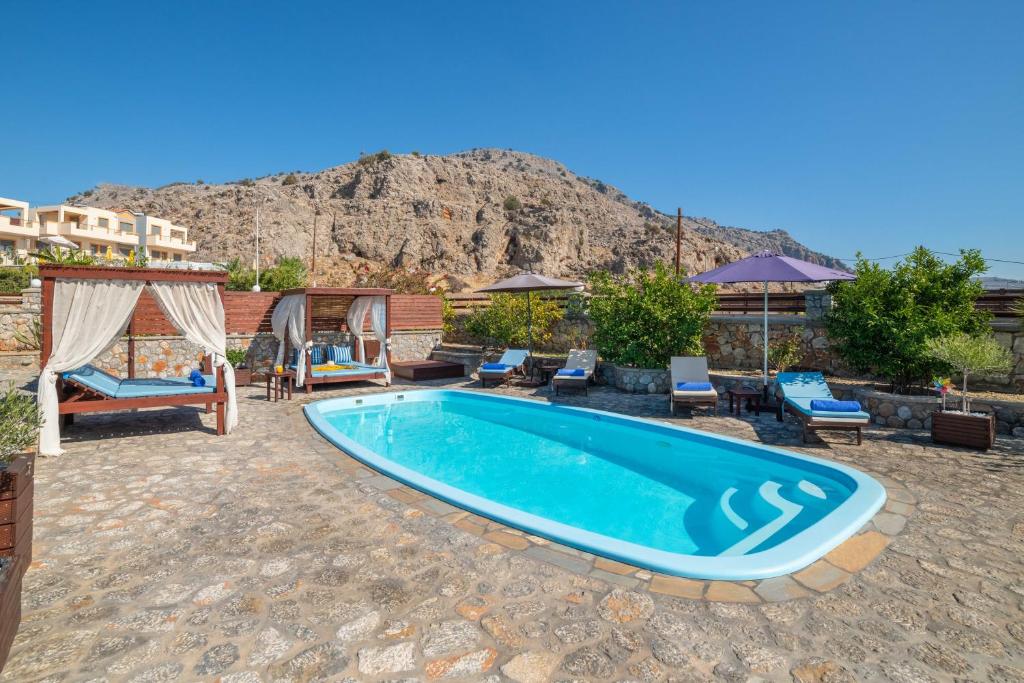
(941, 253)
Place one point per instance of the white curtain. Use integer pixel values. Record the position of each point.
(379, 320)
(355, 317)
(89, 317)
(289, 321)
(196, 310)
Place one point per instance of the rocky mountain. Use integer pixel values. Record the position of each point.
(473, 216)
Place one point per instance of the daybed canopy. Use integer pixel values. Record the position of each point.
(302, 312)
(85, 311)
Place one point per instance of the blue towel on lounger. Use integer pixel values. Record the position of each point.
(833, 406)
(494, 366)
(575, 372)
(693, 386)
(197, 378)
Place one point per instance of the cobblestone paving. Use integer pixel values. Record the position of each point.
(165, 553)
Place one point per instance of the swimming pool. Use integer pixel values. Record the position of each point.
(667, 498)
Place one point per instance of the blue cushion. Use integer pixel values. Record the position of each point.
(833, 406)
(295, 357)
(693, 386)
(197, 378)
(317, 355)
(500, 367)
(339, 354)
(575, 372)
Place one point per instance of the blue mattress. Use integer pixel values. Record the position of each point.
(800, 388)
(360, 369)
(115, 387)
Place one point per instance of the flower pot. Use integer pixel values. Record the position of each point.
(243, 377)
(960, 429)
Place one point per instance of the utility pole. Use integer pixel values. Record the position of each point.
(256, 287)
(679, 238)
(316, 213)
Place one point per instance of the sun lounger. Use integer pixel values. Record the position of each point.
(800, 390)
(93, 379)
(571, 375)
(510, 363)
(693, 371)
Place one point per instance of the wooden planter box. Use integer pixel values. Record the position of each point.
(243, 377)
(16, 489)
(958, 429)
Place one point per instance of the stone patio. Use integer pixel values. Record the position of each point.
(166, 553)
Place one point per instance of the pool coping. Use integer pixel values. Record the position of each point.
(829, 572)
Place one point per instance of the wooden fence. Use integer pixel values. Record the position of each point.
(250, 313)
(1000, 302)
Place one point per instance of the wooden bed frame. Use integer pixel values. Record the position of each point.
(324, 293)
(818, 425)
(75, 398)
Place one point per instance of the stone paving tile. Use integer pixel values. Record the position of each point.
(165, 553)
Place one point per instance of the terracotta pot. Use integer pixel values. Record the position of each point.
(958, 429)
(243, 377)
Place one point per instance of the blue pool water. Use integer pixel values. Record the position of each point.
(654, 495)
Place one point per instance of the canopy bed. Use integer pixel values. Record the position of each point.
(87, 309)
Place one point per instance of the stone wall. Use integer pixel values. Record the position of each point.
(635, 380)
(18, 322)
(737, 341)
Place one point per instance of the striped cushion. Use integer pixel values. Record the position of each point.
(339, 354)
(317, 355)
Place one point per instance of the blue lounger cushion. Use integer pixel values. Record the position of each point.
(833, 406)
(496, 367)
(693, 386)
(803, 405)
(114, 387)
(575, 372)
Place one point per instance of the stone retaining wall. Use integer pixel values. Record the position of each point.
(635, 380)
(18, 322)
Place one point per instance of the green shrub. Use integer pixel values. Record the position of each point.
(503, 323)
(290, 179)
(644, 318)
(512, 203)
(881, 321)
(969, 354)
(236, 357)
(371, 159)
(447, 317)
(20, 420)
(289, 273)
(13, 280)
(65, 257)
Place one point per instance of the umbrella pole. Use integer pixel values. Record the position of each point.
(529, 330)
(764, 389)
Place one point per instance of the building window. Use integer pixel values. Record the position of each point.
(7, 245)
(126, 226)
(159, 255)
(103, 222)
(125, 251)
(177, 257)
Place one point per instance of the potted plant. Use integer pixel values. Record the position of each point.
(243, 373)
(20, 420)
(967, 354)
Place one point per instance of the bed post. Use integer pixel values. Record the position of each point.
(220, 370)
(46, 322)
(387, 328)
(131, 346)
(309, 338)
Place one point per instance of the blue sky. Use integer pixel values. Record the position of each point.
(870, 126)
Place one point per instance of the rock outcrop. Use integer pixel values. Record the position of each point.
(473, 216)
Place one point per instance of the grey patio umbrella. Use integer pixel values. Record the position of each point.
(58, 241)
(526, 283)
(768, 267)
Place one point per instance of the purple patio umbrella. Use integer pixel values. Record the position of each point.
(530, 282)
(768, 267)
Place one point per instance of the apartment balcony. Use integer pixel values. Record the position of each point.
(162, 241)
(16, 227)
(96, 233)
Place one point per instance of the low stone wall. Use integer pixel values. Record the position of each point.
(635, 380)
(18, 322)
(737, 341)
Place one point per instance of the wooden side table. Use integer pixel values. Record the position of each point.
(736, 396)
(280, 381)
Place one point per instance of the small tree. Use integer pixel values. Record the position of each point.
(786, 352)
(512, 203)
(20, 420)
(290, 272)
(503, 323)
(882, 320)
(645, 318)
(970, 354)
(290, 179)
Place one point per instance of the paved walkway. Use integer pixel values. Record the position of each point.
(166, 553)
